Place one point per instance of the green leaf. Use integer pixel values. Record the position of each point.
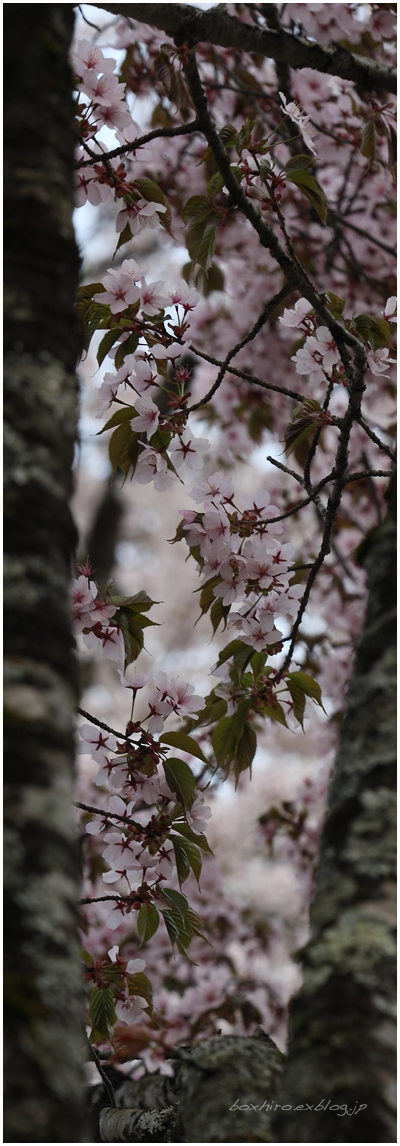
(196, 837)
(275, 712)
(215, 184)
(107, 342)
(86, 957)
(257, 663)
(136, 603)
(373, 330)
(147, 922)
(194, 922)
(127, 347)
(139, 984)
(311, 189)
(188, 852)
(231, 650)
(207, 594)
(246, 750)
(219, 613)
(123, 449)
(299, 700)
(178, 901)
(150, 191)
(181, 781)
(196, 205)
(185, 743)
(124, 237)
(171, 925)
(223, 740)
(300, 163)
(124, 414)
(307, 684)
(369, 142)
(133, 636)
(200, 242)
(102, 1012)
(181, 860)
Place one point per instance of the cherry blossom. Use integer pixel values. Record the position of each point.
(108, 641)
(152, 298)
(148, 417)
(295, 318)
(198, 815)
(378, 361)
(307, 131)
(217, 488)
(97, 743)
(139, 215)
(186, 451)
(318, 356)
(152, 466)
(120, 291)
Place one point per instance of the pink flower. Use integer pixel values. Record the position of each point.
(110, 640)
(130, 1007)
(378, 361)
(294, 318)
(198, 815)
(183, 698)
(217, 488)
(152, 466)
(139, 215)
(148, 417)
(390, 309)
(186, 449)
(142, 377)
(120, 291)
(101, 89)
(96, 743)
(167, 352)
(130, 678)
(113, 115)
(307, 131)
(183, 295)
(152, 299)
(87, 57)
(318, 356)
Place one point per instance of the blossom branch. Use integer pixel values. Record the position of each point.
(183, 129)
(263, 318)
(245, 374)
(291, 267)
(109, 815)
(378, 441)
(226, 31)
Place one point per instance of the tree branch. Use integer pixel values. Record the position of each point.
(263, 318)
(225, 31)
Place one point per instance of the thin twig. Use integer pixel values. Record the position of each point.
(374, 438)
(263, 318)
(169, 132)
(248, 377)
(111, 815)
(102, 1073)
(101, 724)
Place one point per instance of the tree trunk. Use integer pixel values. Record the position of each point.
(343, 1039)
(43, 993)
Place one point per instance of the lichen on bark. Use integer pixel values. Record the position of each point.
(44, 1048)
(342, 1044)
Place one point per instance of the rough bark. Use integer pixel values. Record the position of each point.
(43, 994)
(343, 1035)
(224, 30)
(223, 1091)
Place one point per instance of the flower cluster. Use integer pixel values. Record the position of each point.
(91, 613)
(240, 554)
